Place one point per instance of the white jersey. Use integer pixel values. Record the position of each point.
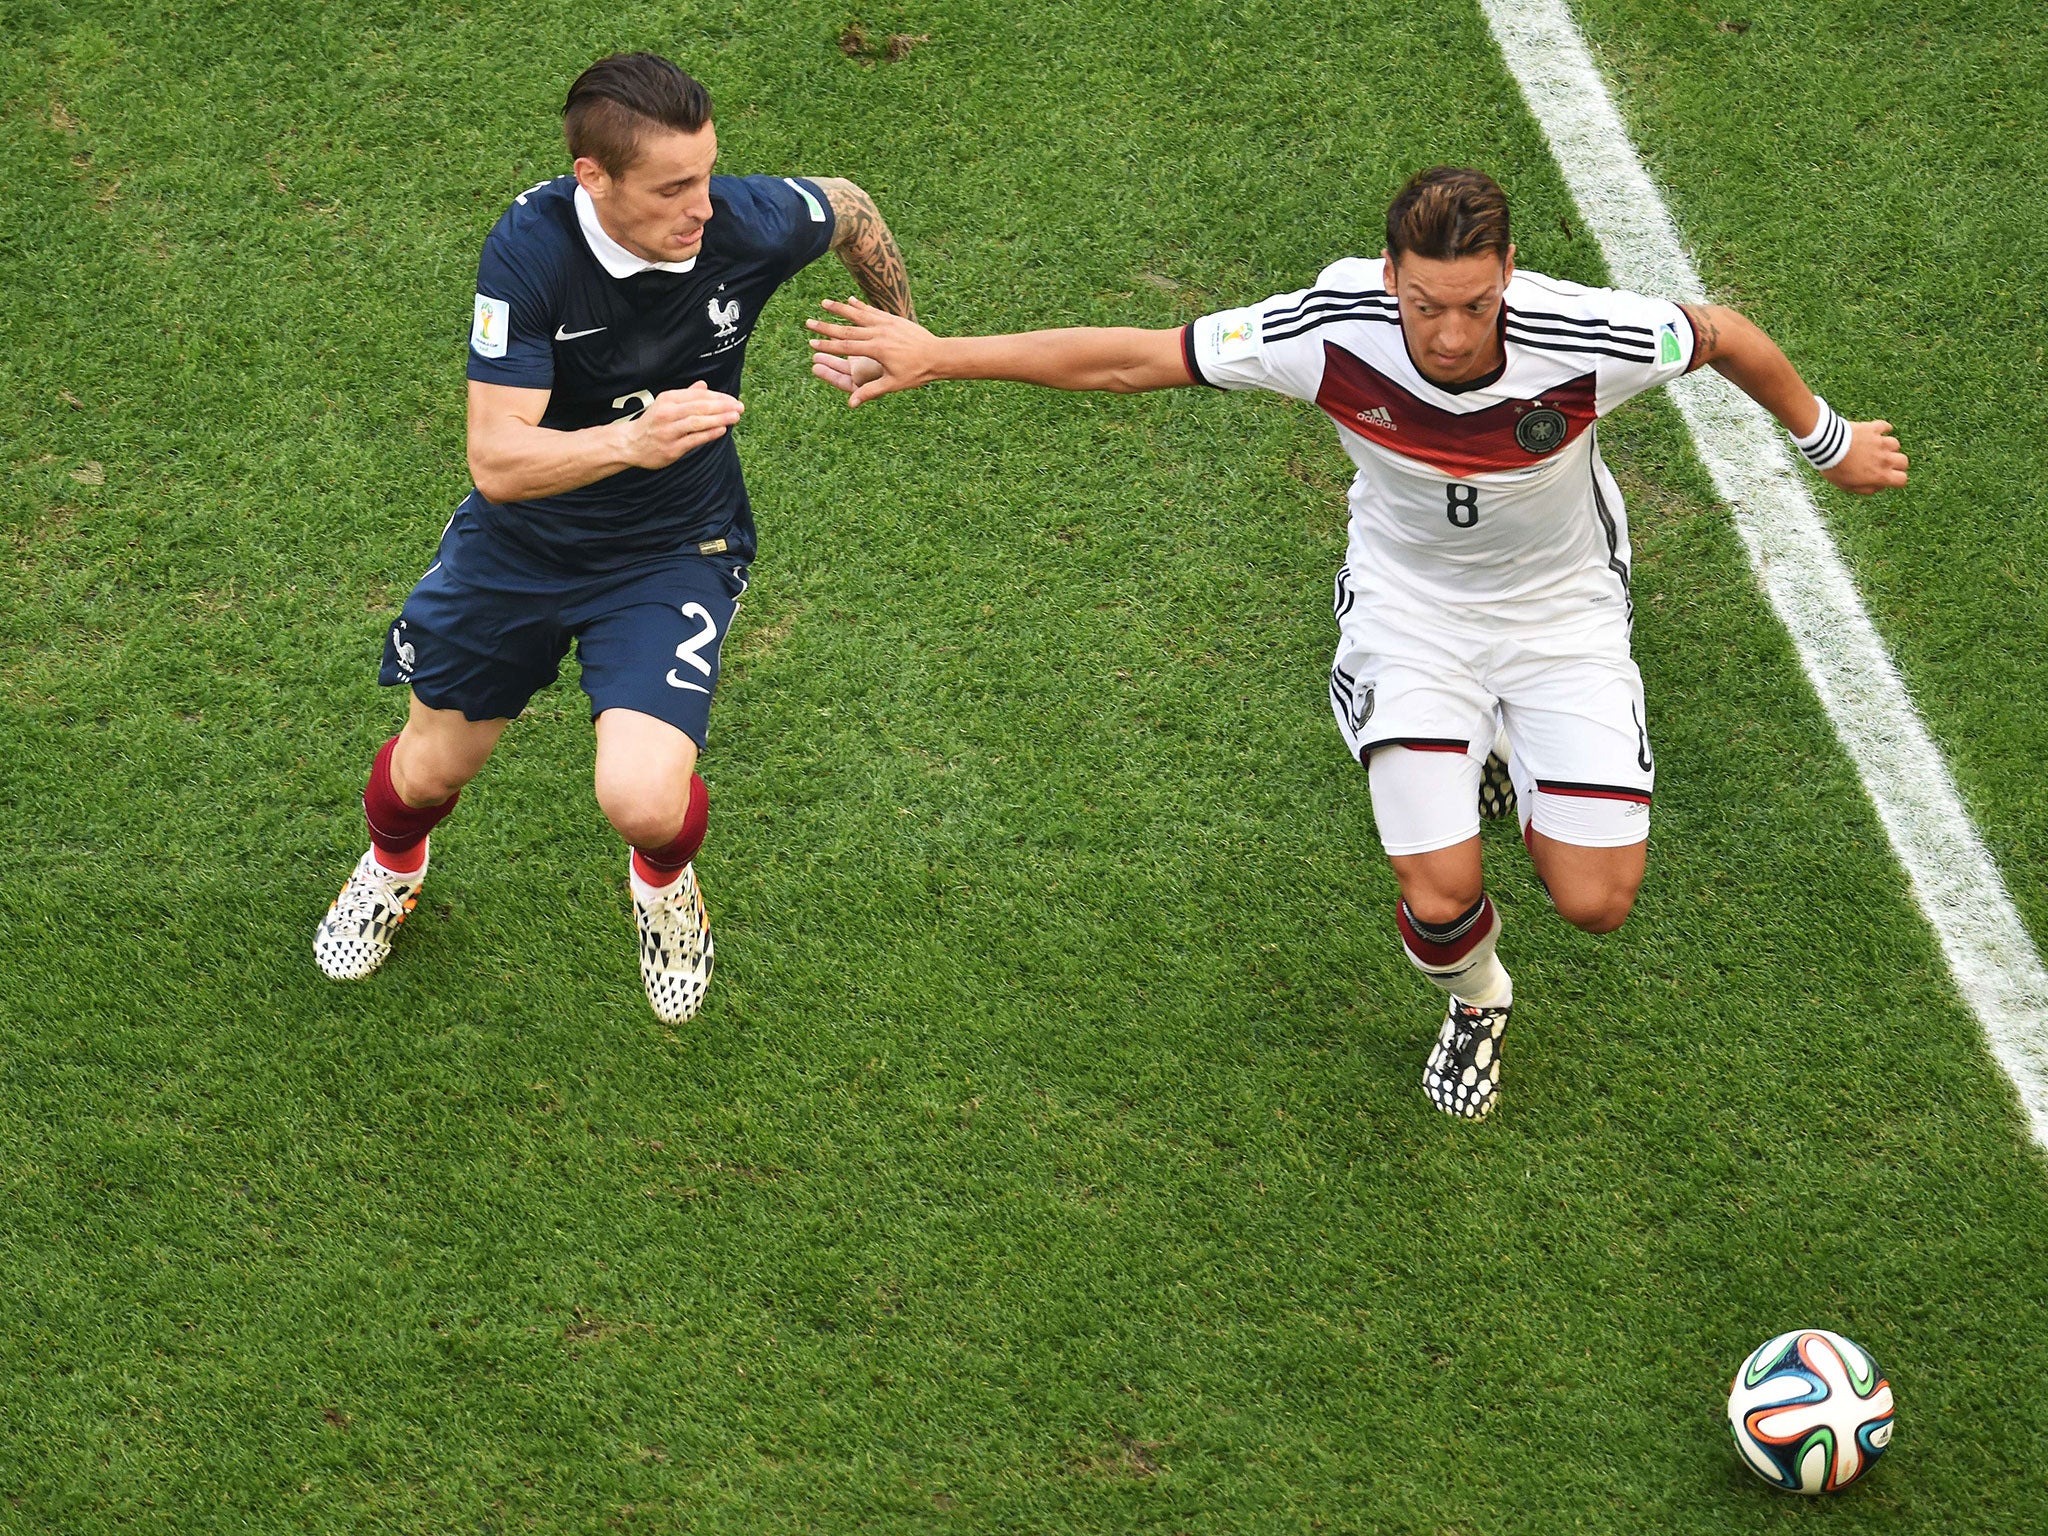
(1485, 492)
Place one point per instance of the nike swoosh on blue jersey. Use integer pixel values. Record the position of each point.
(563, 334)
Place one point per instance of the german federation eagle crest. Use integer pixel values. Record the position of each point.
(1541, 430)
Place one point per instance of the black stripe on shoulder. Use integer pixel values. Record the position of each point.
(1310, 312)
(1294, 328)
(1385, 307)
(1597, 338)
(1582, 321)
(1581, 348)
(1323, 298)
(1319, 295)
(1574, 333)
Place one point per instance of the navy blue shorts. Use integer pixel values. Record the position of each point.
(483, 632)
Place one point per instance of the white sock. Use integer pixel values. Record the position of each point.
(396, 874)
(647, 895)
(1478, 977)
(1487, 985)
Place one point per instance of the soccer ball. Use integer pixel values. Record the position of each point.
(1810, 1411)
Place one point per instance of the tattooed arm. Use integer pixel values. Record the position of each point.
(1742, 354)
(864, 243)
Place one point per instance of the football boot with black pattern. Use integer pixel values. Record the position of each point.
(675, 947)
(1462, 1075)
(354, 938)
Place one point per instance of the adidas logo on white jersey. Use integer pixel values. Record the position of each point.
(1377, 416)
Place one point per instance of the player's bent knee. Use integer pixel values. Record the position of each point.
(645, 802)
(1596, 908)
(645, 828)
(424, 774)
(643, 776)
(1601, 919)
(1426, 804)
(1440, 886)
(432, 782)
(1442, 901)
(645, 815)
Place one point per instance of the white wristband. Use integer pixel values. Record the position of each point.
(1828, 443)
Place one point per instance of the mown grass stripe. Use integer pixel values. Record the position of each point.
(1959, 888)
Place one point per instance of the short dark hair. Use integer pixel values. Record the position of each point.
(1444, 213)
(614, 101)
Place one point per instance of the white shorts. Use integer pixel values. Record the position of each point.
(1431, 680)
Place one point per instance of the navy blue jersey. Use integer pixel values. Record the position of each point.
(550, 314)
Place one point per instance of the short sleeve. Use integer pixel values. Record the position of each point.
(511, 329)
(1648, 342)
(1230, 349)
(789, 219)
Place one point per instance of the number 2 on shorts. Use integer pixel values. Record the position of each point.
(691, 649)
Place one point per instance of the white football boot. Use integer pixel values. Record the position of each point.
(354, 938)
(675, 944)
(1462, 1075)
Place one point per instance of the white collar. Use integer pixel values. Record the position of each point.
(611, 255)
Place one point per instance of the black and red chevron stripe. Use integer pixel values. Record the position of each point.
(1359, 397)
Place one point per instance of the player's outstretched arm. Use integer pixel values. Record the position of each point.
(512, 457)
(1122, 359)
(863, 242)
(1754, 364)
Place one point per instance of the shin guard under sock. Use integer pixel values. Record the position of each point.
(396, 829)
(660, 866)
(1458, 956)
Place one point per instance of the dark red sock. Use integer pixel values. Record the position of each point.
(398, 831)
(1437, 945)
(661, 866)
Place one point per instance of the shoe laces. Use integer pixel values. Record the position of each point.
(670, 903)
(367, 888)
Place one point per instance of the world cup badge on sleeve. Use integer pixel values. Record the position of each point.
(489, 326)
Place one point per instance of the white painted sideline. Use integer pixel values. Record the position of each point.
(1994, 962)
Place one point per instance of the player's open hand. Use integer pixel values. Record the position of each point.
(875, 353)
(1873, 462)
(678, 421)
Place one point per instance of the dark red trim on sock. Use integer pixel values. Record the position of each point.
(1433, 954)
(660, 866)
(398, 829)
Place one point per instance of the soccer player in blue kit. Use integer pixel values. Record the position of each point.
(612, 315)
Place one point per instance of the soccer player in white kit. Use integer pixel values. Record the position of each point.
(1485, 589)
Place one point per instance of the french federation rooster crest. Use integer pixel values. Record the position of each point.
(725, 316)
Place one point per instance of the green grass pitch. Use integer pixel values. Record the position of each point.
(1050, 1155)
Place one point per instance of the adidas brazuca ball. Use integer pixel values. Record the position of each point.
(1810, 1411)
